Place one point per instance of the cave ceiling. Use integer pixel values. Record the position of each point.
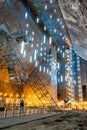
(74, 13)
(44, 18)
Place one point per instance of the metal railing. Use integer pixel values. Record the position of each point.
(14, 111)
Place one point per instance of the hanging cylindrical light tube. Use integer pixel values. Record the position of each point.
(80, 95)
(22, 47)
(69, 76)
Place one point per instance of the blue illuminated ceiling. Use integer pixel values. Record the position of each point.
(48, 13)
(35, 27)
(51, 21)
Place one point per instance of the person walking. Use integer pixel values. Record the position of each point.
(22, 106)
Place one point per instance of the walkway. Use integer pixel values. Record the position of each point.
(9, 122)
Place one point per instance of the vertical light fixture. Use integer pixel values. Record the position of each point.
(40, 68)
(44, 39)
(24, 53)
(30, 59)
(80, 95)
(38, 20)
(50, 40)
(22, 47)
(26, 15)
(69, 77)
(35, 54)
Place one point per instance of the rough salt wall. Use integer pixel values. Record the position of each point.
(75, 15)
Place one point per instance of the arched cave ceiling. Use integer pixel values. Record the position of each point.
(75, 21)
(74, 12)
(75, 18)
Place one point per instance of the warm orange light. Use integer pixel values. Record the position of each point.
(29, 96)
(11, 95)
(34, 96)
(1, 94)
(23, 95)
(68, 41)
(5, 94)
(17, 95)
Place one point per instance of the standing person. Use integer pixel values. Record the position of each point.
(22, 106)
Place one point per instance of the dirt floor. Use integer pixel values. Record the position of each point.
(70, 120)
(64, 120)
